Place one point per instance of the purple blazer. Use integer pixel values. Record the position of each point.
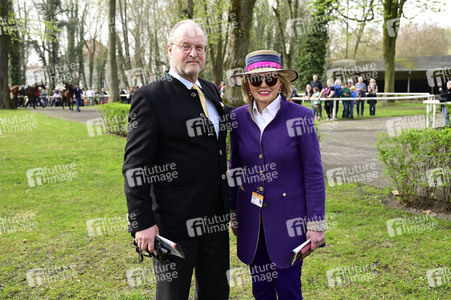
(285, 167)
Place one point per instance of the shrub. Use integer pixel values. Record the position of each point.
(115, 117)
(419, 163)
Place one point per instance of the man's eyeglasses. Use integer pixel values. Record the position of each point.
(257, 80)
(186, 48)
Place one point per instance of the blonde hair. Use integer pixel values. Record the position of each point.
(286, 87)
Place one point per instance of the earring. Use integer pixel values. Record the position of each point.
(280, 90)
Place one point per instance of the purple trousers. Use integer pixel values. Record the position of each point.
(270, 282)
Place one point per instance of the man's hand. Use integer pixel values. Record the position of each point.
(145, 238)
(317, 237)
(233, 222)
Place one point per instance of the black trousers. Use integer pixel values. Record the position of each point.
(209, 256)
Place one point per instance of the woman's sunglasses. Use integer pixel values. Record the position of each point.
(257, 80)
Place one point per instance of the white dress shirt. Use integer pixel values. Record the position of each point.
(212, 112)
(267, 115)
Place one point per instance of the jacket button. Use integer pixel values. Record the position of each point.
(260, 189)
(260, 156)
(193, 94)
(284, 194)
(223, 176)
(220, 152)
(202, 115)
(264, 205)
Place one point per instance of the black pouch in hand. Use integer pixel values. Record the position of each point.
(160, 251)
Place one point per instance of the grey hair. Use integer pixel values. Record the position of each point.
(172, 32)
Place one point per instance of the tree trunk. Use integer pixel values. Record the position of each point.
(123, 12)
(5, 98)
(393, 10)
(112, 63)
(389, 48)
(186, 9)
(239, 44)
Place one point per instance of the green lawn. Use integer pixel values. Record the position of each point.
(383, 109)
(49, 227)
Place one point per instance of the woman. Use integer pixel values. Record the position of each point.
(328, 92)
(279, 200)
(372, 90)
(337, 94)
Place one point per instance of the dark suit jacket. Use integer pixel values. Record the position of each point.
(171, 134)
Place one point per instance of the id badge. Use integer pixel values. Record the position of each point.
(257, 199)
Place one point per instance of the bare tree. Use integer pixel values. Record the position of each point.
(5, 98)
(112, 63)
(239, 43)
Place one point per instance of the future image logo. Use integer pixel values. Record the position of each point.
(353, 174)
(55, 174)
(207, 225)
(350, 275)
(251, 174)
(396, 125)
(300, 126)
(438, 277)
(438, 76)
(392, 27)
(416, 224)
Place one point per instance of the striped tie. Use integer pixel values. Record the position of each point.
(203, 102)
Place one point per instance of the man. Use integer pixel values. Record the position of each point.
(90, 95)
(360, 88)
(178, 133)
(318, 84)
(77, 94)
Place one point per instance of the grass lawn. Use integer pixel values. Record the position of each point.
(68, 239)
(383, 109)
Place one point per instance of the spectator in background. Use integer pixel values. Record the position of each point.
(445, 96)
(77, 95)
(123, 95)
(372, 90)
(294, 93)
(319, 85)
(90, 94)
(337, 94)
(308, 94)
(352, 102)
(360, 88)
(221, 88)
(56, 97)
(316, 103)
(103, 99)
(328, 92)
(44, 100)
(346, 93)
(131, 90)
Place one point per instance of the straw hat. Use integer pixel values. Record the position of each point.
(263, 61)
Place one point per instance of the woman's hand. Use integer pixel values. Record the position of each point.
(318, 238)
(233, 221)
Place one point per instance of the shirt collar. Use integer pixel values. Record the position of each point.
(187, 83)
(272, 108)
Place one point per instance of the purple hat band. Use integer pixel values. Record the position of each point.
(263, 61)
